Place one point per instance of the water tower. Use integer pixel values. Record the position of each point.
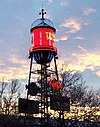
(43, 51)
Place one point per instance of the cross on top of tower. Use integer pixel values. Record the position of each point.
(42, 13)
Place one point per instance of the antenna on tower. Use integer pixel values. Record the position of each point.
(43, 12)
(42, 5)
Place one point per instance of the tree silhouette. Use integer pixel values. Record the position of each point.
(80, 95)
(9, 95)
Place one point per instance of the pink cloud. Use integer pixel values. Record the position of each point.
(88, 11)
(72, 25)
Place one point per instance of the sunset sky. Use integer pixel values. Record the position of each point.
(77, 37)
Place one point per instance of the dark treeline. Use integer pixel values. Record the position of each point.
(74, 87)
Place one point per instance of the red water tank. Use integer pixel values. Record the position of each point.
(43, 38)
